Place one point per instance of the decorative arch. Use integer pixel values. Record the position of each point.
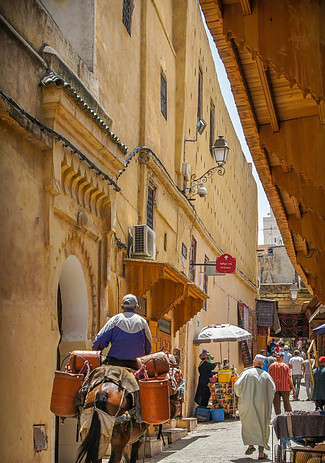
(73, 244)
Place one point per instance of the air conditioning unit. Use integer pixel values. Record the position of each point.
(144, 242)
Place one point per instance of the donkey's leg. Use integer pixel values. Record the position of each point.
(134, 451)
(120, 438)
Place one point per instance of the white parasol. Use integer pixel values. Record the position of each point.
(221, 333)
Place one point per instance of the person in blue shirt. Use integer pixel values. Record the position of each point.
(265, 366)
(286, 355)
(127, 333)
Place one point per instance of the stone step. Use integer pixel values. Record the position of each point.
(174, 434)
(172, 423)
(150, 446)
(188, 423)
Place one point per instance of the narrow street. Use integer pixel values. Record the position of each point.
(219, 442)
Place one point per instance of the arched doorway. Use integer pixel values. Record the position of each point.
(72, 308)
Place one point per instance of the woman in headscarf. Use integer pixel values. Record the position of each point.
(206, 368)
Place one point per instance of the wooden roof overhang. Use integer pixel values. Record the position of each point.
(170, 289)
(275, 60)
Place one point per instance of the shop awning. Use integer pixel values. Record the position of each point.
(314, 310)
(170, 289)
(282, 111)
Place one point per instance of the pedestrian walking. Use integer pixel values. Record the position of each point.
(265, 366)
(271, 359)
(255, 389)
(271, 345)
(277, 347)
(307, 375)
(127, 333)
(286, 355)
(300, 343)
(281, 375)
(206, 368)
(303, 354)
(318, 395)
(295, 364)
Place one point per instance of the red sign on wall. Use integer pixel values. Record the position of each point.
(226, 264)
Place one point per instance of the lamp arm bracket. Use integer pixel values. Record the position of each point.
(204, 178)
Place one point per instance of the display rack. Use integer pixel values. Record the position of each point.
(223, 396)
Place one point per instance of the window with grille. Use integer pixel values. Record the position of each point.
(192, 259)
(199, 95)
(212, 125)
(205, 281)
(128, 7)
(163, 95)
(150, 204)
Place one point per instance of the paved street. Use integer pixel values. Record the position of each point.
(218, 442)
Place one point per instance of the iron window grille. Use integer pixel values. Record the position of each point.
(163, 95)
(205, 282)
(192, 259)
(150, 206)
(212, 125)
(128, 7)
(199, 96)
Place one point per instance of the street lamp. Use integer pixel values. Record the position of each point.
(220, 151)
(294, 290)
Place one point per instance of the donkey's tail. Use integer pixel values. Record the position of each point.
(88, 450)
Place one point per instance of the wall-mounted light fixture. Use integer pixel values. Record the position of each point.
(220, 151)
(294, 290)
(200, 127)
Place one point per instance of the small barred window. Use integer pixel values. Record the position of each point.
(212, 125)
(150, 205)
(128, 7)
(199, 95)
(163, 95)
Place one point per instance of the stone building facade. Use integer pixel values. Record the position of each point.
(277, 279)
(95, 106)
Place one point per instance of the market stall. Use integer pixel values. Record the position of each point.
(222, 392)
(223, 401)
(306, 429)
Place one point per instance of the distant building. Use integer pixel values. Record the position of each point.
(278, 281)
(271, 230)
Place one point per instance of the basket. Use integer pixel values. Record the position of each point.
(304, 455)
(224, 376)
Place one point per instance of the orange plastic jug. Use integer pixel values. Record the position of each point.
(154, 400)
(65, 388)
(79, 357)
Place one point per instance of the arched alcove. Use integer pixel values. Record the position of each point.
(72, 308)
(74, 301)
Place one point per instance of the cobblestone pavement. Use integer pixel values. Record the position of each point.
(219, 442)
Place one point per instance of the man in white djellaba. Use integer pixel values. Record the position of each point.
(255, 389)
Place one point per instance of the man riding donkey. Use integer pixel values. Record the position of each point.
(128, 334)
(109, 398)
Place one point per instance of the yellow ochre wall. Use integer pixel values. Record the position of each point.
(64, 224)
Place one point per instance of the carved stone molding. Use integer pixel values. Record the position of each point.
(73, 244)
(84, 186)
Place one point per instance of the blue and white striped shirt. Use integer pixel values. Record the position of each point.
(129, 335)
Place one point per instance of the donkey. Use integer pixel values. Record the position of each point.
(109, 416)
